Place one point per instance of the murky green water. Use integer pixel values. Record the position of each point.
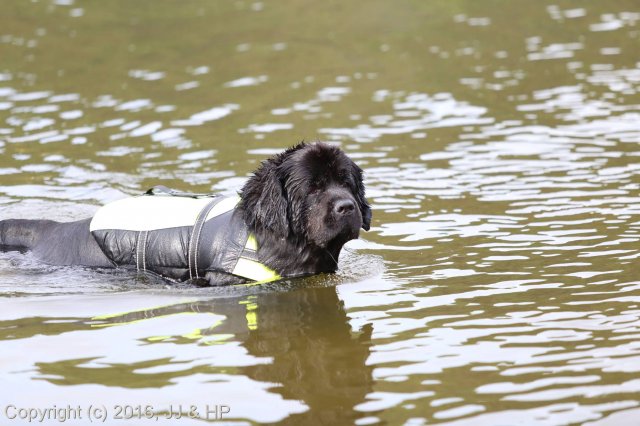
(499, 285)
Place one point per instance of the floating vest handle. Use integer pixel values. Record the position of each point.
(163, 190)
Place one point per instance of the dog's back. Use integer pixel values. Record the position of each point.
(22, 234)
(53, 242)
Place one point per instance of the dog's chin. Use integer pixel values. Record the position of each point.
(335, 240)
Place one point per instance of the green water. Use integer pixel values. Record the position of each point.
(500, 281)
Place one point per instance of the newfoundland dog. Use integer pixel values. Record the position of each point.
(291, 218)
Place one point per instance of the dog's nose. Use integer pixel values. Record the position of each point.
(344, 207)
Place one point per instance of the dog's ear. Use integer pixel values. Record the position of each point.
(264, 201)
(363, 204)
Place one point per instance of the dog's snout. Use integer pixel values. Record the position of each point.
(344, 207)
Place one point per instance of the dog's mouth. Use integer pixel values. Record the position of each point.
(351, 232)
(337, 234)
(333, 219)
(347, 234)
(334, 245)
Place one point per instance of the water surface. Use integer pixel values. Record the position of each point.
(499, 283)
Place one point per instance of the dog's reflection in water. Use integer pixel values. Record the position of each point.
(315, 356)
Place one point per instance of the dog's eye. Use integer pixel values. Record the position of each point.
(346, 180)
(344, 177)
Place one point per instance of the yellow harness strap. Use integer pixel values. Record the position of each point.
(251, 268)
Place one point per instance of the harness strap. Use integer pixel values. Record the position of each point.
(250, 250)
(248, 265)
(141, 250)
(194, 240)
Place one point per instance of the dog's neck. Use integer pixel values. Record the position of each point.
(289, 257)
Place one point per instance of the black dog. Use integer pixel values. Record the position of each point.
(292, 218)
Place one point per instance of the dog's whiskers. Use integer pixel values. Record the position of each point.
(331, 256)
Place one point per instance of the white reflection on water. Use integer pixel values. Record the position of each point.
(448, 225)
(247, 81)
(202, 117)
(414, 112)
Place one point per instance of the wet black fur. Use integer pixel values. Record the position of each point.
(289, 204)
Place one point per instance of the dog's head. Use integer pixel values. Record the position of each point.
(311, 192)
